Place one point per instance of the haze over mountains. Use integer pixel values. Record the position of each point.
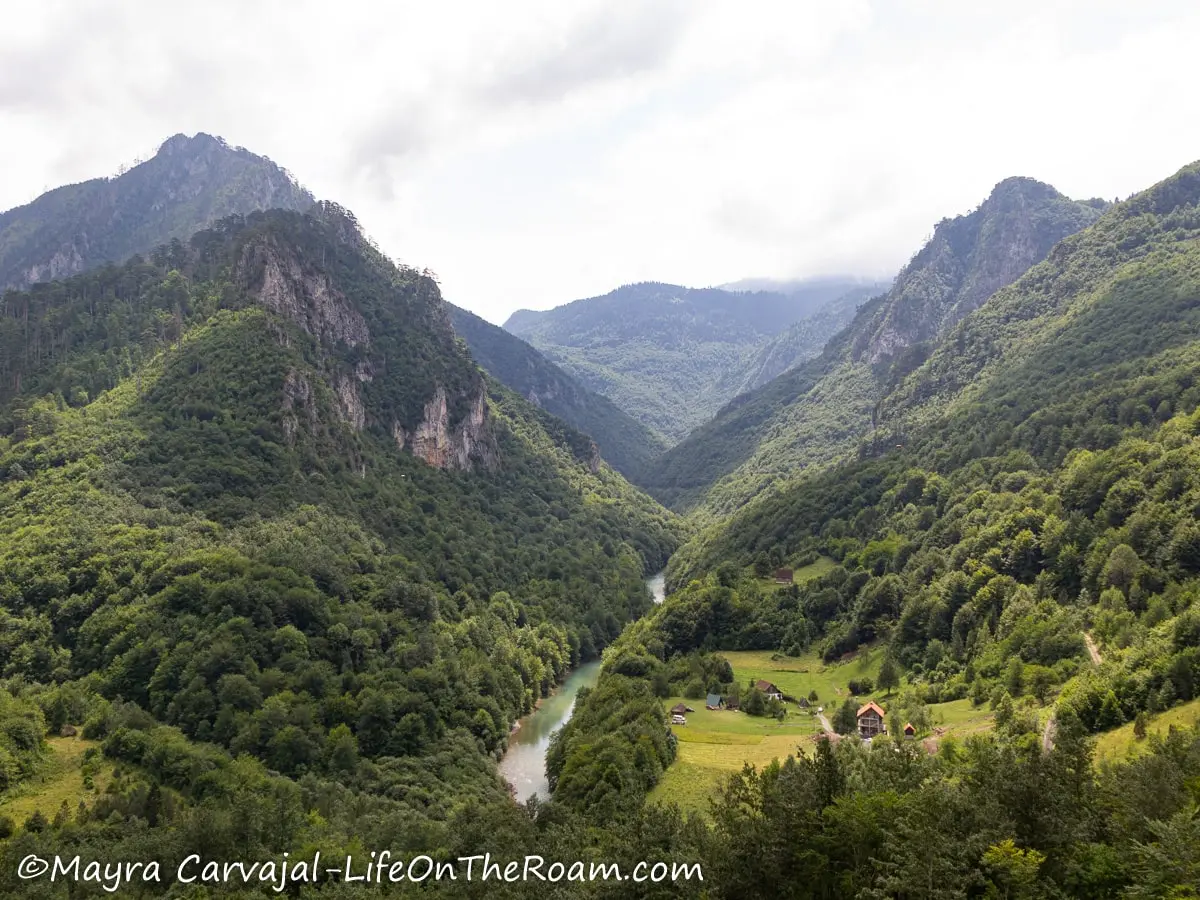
(815, 413)
(289, 543)
(671, 355)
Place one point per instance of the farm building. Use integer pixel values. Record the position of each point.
(714, 701)
(909, 730)
(679, 709)
(870, 720)
(769, 689)
(783, 576)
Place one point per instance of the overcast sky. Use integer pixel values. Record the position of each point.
(535, 152)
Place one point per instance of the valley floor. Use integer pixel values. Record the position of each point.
(715, 743)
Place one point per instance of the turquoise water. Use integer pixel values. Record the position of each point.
(658, 586)
(524, 764)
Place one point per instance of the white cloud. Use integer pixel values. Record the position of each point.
(540, 151)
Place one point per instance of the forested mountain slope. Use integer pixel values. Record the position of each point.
(667, 354)
(272, 538)
(1032, 497)
(188, 185)
(812, 415)
(624, 442)
(803, 340)
(1095, 347)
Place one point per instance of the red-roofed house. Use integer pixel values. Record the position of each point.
(870, 720)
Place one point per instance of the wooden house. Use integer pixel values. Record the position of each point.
(772, 692)
(909, 730)
(679, 709)
(783, 576)
(870, 720)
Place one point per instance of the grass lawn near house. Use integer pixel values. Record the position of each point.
(798, 675)
(1120, 743)
(815, 569)
(715, 743)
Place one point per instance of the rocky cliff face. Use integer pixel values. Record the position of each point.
(439, 444)
(188, 185)
(283, 285)
(284, 280)
(969, 258)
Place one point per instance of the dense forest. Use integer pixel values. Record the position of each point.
(280, 627)
(814, 415)
(625, 443)
(1017, 534)
(671, 356)
(288, 544)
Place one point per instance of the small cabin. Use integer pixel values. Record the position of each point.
(870, 721)
(909, 730)
(714, 701)
(732, 703)
(803, 703)
(772, 692)
(679, 709)
(783, 576)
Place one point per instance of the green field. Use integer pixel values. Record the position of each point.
(805, 573)
(715, 743)
(59, 781)
(798, 675)
(1120, 743)
(960, 718)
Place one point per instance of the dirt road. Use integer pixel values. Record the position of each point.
(1093, 650)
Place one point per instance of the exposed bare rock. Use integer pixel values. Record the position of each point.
(297, 401)
(460, 447)
(967, 260)
(66, 262)
(350, 405)
(282, 285)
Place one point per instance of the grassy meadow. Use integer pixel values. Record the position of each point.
(715, 743)
(1120, 743)
(60, 780)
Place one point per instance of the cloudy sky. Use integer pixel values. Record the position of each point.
(535, 152)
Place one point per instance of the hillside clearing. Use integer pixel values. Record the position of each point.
(61, 780)
(1121, 744)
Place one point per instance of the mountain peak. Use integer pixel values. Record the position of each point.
(181, 144)
(190, 184)
(969, 258)
(1022, 186)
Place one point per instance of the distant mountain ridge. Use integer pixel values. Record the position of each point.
(805, 339)
(813, 414)
(624, 443)
(667, 354)
(1097, 346)
(189, 184)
